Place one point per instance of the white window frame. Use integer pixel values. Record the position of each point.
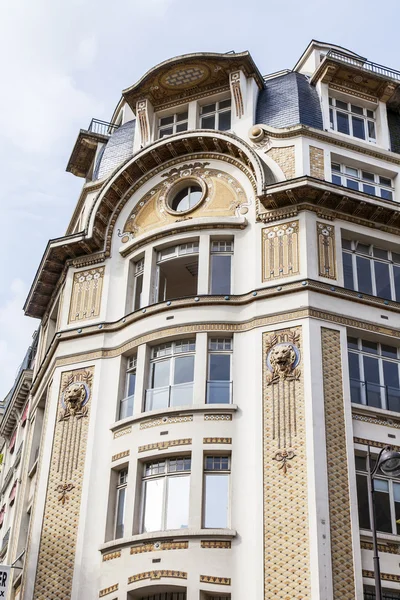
(342, 173)
(131, 368)
(222, 247)
(222, 345)
(216, 472)
(216, 113)
(138, 272)
(171, 253)
(174, 125)
(367, 118)
(166, 475)
(121, 485)
(393, 261)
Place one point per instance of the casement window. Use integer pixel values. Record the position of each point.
(166, 486)
(221, 266)
(352, 119)
(374, 374)
(371, 270)
(171, 375)
(138, 284)
(216, 115)
(120, 504)
(387, 499)
(362, 181)
(177, 272)
(369, 593)
(126, 404)
(219, 383)
(216, 491)
(173, 124)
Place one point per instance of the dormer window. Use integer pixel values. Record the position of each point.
(352, 119)
(216, 115)
(172, 124)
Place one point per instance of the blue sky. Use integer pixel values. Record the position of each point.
(62, 63)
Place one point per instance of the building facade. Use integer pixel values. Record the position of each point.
(219, 343)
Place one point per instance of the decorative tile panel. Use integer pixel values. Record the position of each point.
(111, 555)
(165, 445)
(217, 440)
(106, 591)
(338, 476)
(121, 432)
(166, 421)
(286, 530)
(214, 417)
(159, 546)
(86, 294)
(384, 576)
(215, 580)
(280, 251)
(221, 544)
(317, 162)
(63, 498)
(326, 250)
(154, 575)
(120, 455)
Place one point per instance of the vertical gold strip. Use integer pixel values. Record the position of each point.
(86, 294)
(338, 477)
(326, 250)
(280, 251)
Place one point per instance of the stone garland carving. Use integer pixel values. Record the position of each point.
(86, 294)
(326, 250)
(286, 535)
(63, 497)
(280, 251)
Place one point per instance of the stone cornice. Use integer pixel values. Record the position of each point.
(16, 403)
(86, 190)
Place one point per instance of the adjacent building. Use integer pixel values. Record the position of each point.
(219, 343)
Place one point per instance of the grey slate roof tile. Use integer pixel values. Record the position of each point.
(118, 148)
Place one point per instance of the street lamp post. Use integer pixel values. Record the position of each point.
(388, 462)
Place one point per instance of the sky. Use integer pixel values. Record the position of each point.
(64, 62)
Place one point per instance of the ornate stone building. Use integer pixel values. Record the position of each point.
(219, 342)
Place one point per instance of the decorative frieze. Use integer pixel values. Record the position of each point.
(384, 576)
(376, 420)
(120, 455)
(219, 417)
(388, 548)
(86, 294)
(166, 421)
(217, 440)
(280, 251)
(121, 432)
(326, 250)
(215, 580)
(338, 476)
(159, 546)
(317, 163)
(154, 575)
(220, 544)
(108, 590)
(165, 445)
(111, 555)
(374, 443)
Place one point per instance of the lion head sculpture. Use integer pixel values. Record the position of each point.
(282, 358)
(74, 398)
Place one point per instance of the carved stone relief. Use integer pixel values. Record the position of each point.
(280, 251)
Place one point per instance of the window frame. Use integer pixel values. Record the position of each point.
(214, 473)
(361, 181)
(221, 340)
(334, 109)
(165, 476)
(138, 267)
(174, 125)
(120, 487)
(131, 368)
(216, 113)
(221, 251)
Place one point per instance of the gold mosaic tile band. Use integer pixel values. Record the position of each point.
(109, 590)
(280, 250)
(377, 420)
(111, 555)
(222, 417)
(326, 250)
(216, 580)
(221, 544)
(374, 443)
(63, 497)
(122, 432)
(157, 546)
(154, 575)
(338, 478)
(388, 548)
(86, 294)
(217, 440)
(165, 445)
(384, 576)
(120, 455)
(166, 421)
(286, 534)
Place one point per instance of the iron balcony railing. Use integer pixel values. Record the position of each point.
(375, 395)
(219, 392)
(102, 127)
(172, 395)
(365, 65)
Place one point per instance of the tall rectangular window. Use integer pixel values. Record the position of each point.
(371, 270)
(120, 504)
(126, 404)
(219, 384)
(138, 285)
(173, 124)
(171, 375)
(216, 115)
(216, 491)
(221, 266)
(352, 119)
(166, 487)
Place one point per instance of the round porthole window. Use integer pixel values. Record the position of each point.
(187, 198)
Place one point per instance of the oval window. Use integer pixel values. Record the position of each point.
(187, 198)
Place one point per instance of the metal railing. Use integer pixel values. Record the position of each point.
(219, 392)
(102, 127)
(173, 395)
(365, 65)
(7, 479)
(375, 395)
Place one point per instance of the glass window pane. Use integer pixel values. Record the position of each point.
(363, 248)
(220, 274)
(181, 127)
(351, 171)
(391, 379)
(353, 185)
(368, 176)
(224, 104)
(331, 119)
(382, 503)
(364, 275)
(396, 257)
(166, 131)
(160, 373)
(356, 386)
(369, 189)
(371, 347)
(336, 179)
(224, 120)
(342, 105)
(119, 526)
(379, 253)
(385, 181)
(216, 503)
(352, 343)
(382, 280)
(396, 273)
(396, 496)
(358, 128)
(348, 271)
(372, 386)
(154, 490)
(386, 194)
(362, 497)
(354, 365)
(371, 130)
(178, 502)
(183, 116)
(370, 114)
(184, 369)
(131, 384)
(220, 367)
(346, 244)
(208, 122)
(335, 167)
(166, 120)
(138, 292)
(358, 110)
(390, 351)
(342, 123)
(207, 109)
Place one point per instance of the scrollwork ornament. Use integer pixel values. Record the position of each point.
(63, 489)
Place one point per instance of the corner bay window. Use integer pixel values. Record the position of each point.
(362, 181)
(220, 269)
(371, 270)
(120, 504)
(126, 404)
(216, 491)
(177, 271)
(166, 485)
(374, 374)
(216, 115)
(387, 500)
(352, 119)
(171, 375)
(219, 384)
(173, 124)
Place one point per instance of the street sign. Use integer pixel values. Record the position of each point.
(5, 580)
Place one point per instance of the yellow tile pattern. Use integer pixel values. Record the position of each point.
(286, 533)
(154, 575)
(86, 294)
(120, 455)
(215, 580)
(221, 544)
(165, 445)
(62, 508)
(280, 251)
(285, 158)
(109, 590)
(217, 440)
(111, 555)
(338, 481)
(326, 250)
(317, 162)
(166, 421)
(159, 546)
